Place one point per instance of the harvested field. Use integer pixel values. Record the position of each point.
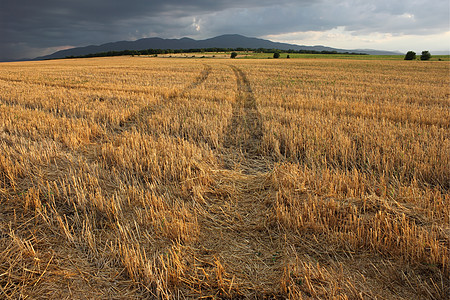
(137, 177)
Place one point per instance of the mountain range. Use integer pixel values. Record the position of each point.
(223, 41)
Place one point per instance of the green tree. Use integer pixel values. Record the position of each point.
(233, 54)
(425, 55)
(276, 55)
(410, 55)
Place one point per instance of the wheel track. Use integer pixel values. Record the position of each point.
(146, 111)
(200, 79)
(245, 130)
(237, 226)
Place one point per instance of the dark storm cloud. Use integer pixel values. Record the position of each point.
(31, 28)
(29, 25)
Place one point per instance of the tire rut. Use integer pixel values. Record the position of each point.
(144, 112)
(237, 225)
(245, 130)
(90, 151)
(200, 79)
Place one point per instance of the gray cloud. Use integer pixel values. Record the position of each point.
(43, 24)
(400, 17)
(31, 28)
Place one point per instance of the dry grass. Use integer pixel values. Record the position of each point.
(172, 178)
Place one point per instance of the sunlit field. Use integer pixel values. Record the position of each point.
(151, 177)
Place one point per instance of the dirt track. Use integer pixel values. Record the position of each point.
(236, 228)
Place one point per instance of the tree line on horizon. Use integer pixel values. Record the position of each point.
(411, 55)
(217, 50)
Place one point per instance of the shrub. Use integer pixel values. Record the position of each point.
(276, 55)
(410, 55)
(233, 54)
(425, 55)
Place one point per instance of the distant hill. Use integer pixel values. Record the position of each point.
(223, 41)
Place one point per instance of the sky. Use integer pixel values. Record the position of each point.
(31, 28)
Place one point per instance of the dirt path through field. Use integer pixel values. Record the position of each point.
(237, 229)
(245, 129)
